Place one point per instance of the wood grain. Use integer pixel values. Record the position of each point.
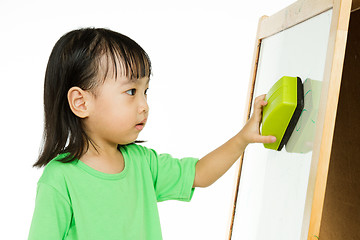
(292, 15)
(341, 212)
(328, 108)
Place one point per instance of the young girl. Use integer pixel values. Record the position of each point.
(98, 183)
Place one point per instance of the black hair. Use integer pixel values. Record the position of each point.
(75, 60)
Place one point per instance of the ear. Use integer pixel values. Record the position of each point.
(78, 101)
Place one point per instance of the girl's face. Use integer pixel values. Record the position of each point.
(119, 111)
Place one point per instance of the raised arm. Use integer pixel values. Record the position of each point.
(211, 167)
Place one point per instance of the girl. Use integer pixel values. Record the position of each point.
(98, 183)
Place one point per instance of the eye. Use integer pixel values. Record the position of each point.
(131, 92)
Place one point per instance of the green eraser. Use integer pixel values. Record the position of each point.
(285, 103)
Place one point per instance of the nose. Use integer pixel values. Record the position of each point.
(143, 105)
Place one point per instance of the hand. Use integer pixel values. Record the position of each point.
(251, 131)
(216, 163)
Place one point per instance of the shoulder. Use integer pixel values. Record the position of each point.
(142, 155)
(134, 150)
(55, 171)
(54, 179)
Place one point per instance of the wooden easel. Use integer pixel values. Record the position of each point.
(333, 196)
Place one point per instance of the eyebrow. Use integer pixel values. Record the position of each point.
(129, 81)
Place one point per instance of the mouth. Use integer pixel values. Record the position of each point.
(141, 125)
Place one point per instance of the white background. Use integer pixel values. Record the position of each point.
(201, 52)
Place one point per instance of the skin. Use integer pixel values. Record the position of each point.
(216, 163)
(117, 113)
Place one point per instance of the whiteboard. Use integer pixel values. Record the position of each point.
(272, 201)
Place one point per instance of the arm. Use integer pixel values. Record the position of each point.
(211, 167)
(52, 215)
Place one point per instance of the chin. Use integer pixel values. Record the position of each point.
(129, 141)
(126, 143)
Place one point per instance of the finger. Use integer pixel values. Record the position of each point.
(258, 106)
(261, 97)
(260, 101)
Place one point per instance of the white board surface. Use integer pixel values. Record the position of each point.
(272, 201)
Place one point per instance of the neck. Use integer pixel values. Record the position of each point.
(105, 158)
(101, 149)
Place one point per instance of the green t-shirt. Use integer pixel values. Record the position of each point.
(75, 201)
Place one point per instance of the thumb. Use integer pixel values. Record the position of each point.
(265, 139)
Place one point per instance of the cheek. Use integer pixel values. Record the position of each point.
(115, 113)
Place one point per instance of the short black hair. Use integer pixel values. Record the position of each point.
(75, 61)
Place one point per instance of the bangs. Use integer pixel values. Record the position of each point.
(124, 57)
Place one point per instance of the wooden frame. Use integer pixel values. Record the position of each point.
(296, 13)
(341, 211)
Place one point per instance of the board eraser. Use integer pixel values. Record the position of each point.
(280, 115)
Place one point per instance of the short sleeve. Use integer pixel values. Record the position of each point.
(52, 214)
(174, 178)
